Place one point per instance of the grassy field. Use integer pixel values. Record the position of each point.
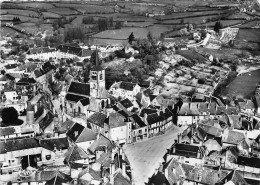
(62, 11)
(249, 35)
(193, 20)
(3, 11)
(22, 12)
(190, 14)
(32, 28)
(124, 33)
(239, 16)
(138, 24)
(132, 18)
(249, 24)
(86, 8)
(36, 5)
(50, 15)
(243, 85)
(22, 18)
(8, 31)
(223, 53)
(225, 23)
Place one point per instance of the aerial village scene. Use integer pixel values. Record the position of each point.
(130, 92)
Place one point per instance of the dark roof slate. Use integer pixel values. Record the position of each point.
(79, 88)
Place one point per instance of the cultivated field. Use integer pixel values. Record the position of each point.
(36, 5)
(21, 12)
(22, 18)
(193, 20)
(225, 23)
(32, 28)
(124, 33)
(50, 15)
(8, 31)
(191, 14)
(63, 11)
(87, 8)
(242, 16)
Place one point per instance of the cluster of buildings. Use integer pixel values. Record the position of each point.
(73, 132)
(220, 145)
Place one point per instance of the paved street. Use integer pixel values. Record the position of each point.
(145, 156)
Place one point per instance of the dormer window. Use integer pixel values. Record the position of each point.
(76, 133)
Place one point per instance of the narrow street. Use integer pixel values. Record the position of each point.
(145, 156)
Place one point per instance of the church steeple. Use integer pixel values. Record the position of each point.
(97, 78)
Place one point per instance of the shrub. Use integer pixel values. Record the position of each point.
(201, 81)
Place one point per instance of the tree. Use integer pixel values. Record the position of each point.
(118, 25)
(10, 117)
(110, 21)
(102, 24)
(150, 36)
(201, 81)
(131, 38)
(218, 25)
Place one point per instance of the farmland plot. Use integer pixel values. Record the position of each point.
(191, 14)
(50, 15)
(62, 11)
(28, 13)
(36, 5)
(22, 18)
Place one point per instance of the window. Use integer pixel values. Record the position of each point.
(101, 76)
(76, 133)
(140, 131)
(48, 157)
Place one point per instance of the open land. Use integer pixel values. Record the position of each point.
(244, 85)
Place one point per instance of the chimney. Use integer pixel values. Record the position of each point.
(123, 155)
(198, 154)
(156, 171)
(124, 169)
(173, 149)
(112, 168)
(145, 119)
(191, 140)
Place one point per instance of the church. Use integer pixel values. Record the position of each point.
(84, 99)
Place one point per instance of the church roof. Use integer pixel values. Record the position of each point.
(79, 88)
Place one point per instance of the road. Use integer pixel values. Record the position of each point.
(146, 156)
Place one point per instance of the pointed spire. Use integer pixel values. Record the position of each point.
(97, 62)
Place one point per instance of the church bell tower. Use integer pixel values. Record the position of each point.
(97, 78)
